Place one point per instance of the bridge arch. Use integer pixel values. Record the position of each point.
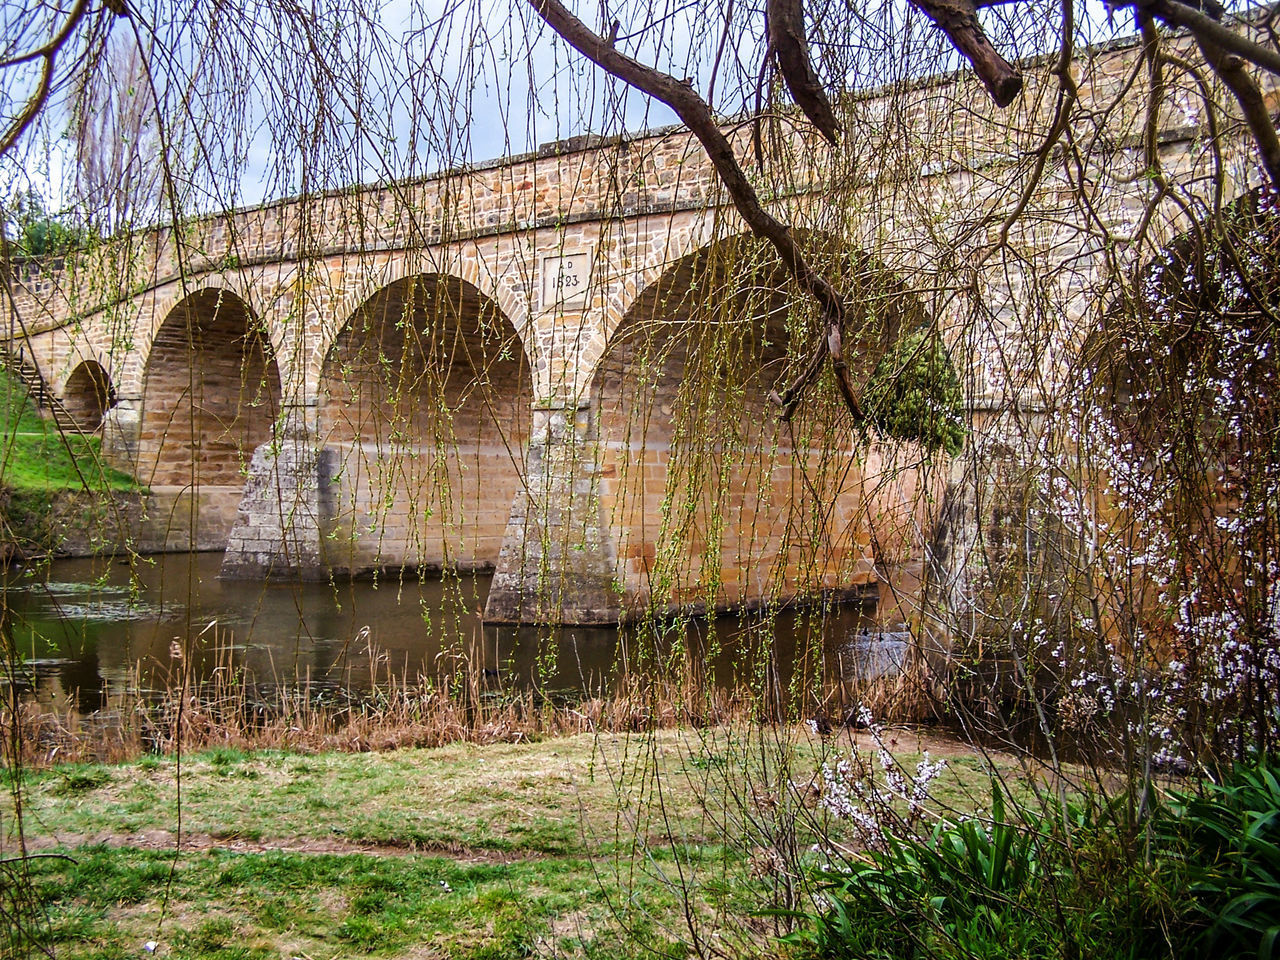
(710, 495)
(471, 270)
(163, 302)
(692, 233)
(425, 403)
(88, 393)
(686, 234)
(210, 392)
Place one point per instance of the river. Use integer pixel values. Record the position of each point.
(87, 629)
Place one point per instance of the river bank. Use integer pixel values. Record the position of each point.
(58, 495)
(591, 845)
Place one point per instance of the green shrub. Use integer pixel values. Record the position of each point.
(914, 394)
(1016, 884)
(1229, 835)
(951, 893)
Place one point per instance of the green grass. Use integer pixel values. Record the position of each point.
(530, 798)
(41, 471)
(220, 904)
(37, 459)
(580, 846)
(52, 461)
(557, 797)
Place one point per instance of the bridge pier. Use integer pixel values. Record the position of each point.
(557, 563)
(288, 505)
(121, 433)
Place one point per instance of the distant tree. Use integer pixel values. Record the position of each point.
(117, 149)
(30, 230)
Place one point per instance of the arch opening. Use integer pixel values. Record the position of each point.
(426, 396)
(714, 500)
(211, 394)
(88, 395)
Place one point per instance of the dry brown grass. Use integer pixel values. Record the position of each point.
(463, 707)
(305, 720)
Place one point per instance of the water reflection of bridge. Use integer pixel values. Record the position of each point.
(98, 635)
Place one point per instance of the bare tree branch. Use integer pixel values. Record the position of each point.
(50, 49)
(697, 116)
(1205, 28)
(958, 19)
(787, 35)
(31, 110)
(48, 53)
(1247, 93)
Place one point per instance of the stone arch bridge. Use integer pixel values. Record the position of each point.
(556, 365)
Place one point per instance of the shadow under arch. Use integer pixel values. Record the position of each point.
(88, 394)
(211, 393)
(425, 401)
(713, 501)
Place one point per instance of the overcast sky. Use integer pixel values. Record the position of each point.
(263, 103)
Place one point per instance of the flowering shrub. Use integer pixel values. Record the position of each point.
(1163, 474)
(876, 798)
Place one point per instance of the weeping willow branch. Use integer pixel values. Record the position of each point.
(47, 54)
(697, 116)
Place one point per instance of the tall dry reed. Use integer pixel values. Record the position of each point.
(463, 703)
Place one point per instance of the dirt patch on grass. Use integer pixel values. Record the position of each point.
(421, 952)
(202, 842)
(936, 743)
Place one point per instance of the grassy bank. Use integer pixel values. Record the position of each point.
(41, 469)
(595, 845)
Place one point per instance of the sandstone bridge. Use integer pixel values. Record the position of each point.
(510, 366)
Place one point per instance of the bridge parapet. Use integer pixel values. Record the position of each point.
(948, 131)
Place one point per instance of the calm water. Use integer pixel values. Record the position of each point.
(88, 629)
